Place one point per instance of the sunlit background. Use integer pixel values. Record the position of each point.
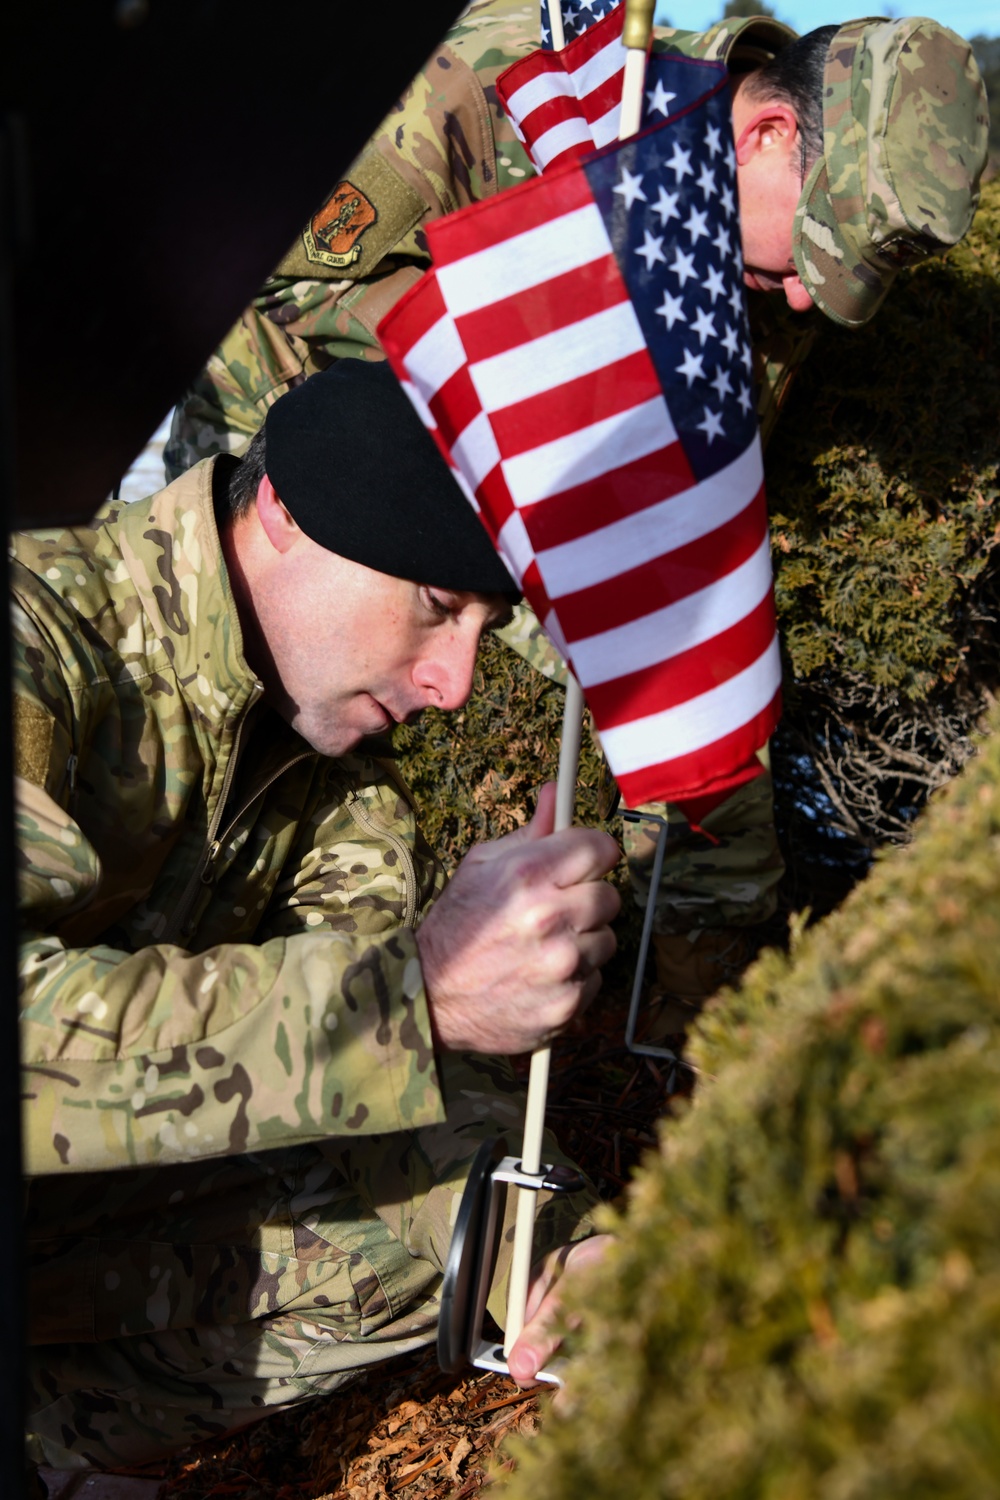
(968, 17)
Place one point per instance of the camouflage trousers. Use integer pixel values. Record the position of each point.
(169, 1305)
(724, 875)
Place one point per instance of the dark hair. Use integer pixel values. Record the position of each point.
(794, 76)
(245, 479)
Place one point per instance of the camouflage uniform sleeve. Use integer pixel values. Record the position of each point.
(359, 864)
(292, 330)
(162, 1054)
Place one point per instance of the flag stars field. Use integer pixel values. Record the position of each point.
(707, 182)
(666, 206)
(722, 383)
(696, 225)
(672, 308)
(651, 249)
(704, 326)
(577, 16)
(677, 211)
(714, 283)
(680, 163)
(630, 188)
(692, 367)
(683, 267)
(660, 99)
(710, 425)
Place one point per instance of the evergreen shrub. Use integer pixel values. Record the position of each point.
(475, 774)
(883, 485)
(805, 1297)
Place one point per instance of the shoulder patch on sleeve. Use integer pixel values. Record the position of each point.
(364, 218)
(33, 731)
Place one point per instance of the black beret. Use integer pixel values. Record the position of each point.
(355, 466)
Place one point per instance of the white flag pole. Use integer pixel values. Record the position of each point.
(636, 33)
(556, 33)
(538, 1078)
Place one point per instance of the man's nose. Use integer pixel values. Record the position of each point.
(445, 672)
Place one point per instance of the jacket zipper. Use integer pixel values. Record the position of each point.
(211, 854)
(363, 820)
(212, 842)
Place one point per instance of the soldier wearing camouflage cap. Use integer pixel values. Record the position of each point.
(881, 165)
(261, 1040)
(859, 147)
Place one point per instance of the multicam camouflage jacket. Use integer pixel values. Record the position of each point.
(445, 144)
(218, 951)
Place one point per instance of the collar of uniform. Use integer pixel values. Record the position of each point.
(170, 545)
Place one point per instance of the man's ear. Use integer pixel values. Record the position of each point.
(772, 127)
(276, 523)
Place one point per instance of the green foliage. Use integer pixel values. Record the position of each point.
(805, 1297)
(883, 477)
(884, 494)
(475, 774)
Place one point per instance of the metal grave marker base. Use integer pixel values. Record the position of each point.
(472, 1257)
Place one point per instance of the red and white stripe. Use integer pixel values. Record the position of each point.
(564, 103)
(426, 352)
(526, 349)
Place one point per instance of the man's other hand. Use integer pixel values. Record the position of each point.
(513, 949)
(537, 1342)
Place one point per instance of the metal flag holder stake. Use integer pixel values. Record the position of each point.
(649, 1049)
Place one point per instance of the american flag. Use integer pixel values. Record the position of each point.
(583, 348)
(567, 104)
(577, 17)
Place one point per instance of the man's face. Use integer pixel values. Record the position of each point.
(769, 179)
(345, 652)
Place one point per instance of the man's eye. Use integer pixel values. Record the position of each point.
(441, 606)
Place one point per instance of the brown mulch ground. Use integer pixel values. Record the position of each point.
(402, 1429)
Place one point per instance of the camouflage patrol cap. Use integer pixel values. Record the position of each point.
(905, 124)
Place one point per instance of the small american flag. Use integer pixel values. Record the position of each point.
(582, 347)
(567, 104)
(577, 17)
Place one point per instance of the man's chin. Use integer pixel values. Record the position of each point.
(377, 743)
(382, 743)
(334, 743)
